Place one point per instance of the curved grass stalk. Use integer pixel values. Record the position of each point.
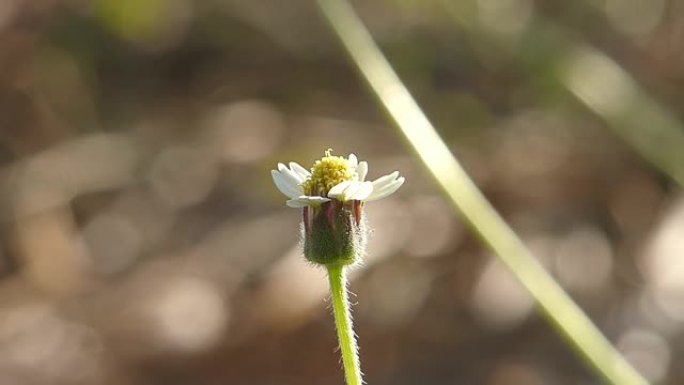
(598, 82)
(560, 309)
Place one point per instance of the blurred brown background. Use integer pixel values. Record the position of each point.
(143, 242)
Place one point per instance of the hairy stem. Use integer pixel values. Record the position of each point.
(343, 321)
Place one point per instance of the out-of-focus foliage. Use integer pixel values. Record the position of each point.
(143, 242)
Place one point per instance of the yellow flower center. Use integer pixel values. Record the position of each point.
(326, 173)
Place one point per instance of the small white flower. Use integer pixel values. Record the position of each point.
(332, 177)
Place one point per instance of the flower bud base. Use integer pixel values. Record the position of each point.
(334, 233)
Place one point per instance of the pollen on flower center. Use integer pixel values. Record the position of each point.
(326, 173)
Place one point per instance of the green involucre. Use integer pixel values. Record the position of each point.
(334, 234)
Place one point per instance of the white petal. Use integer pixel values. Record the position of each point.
(286, 184)
(353, 161)
(384, 180)
(362, 171)
(365, 189)
(349, 192)
(339, 189)
(294, 175)
(299, 170)
(386, 190)
(296, 204)
(315, 199)
(303, 201)
(290, 173)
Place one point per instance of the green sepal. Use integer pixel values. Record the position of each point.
(334, 234)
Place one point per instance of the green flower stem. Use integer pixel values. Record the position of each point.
(557, 305)
(343, 321)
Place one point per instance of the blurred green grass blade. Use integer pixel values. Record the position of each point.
(601, 84)
(605, 88)
(486, 222)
